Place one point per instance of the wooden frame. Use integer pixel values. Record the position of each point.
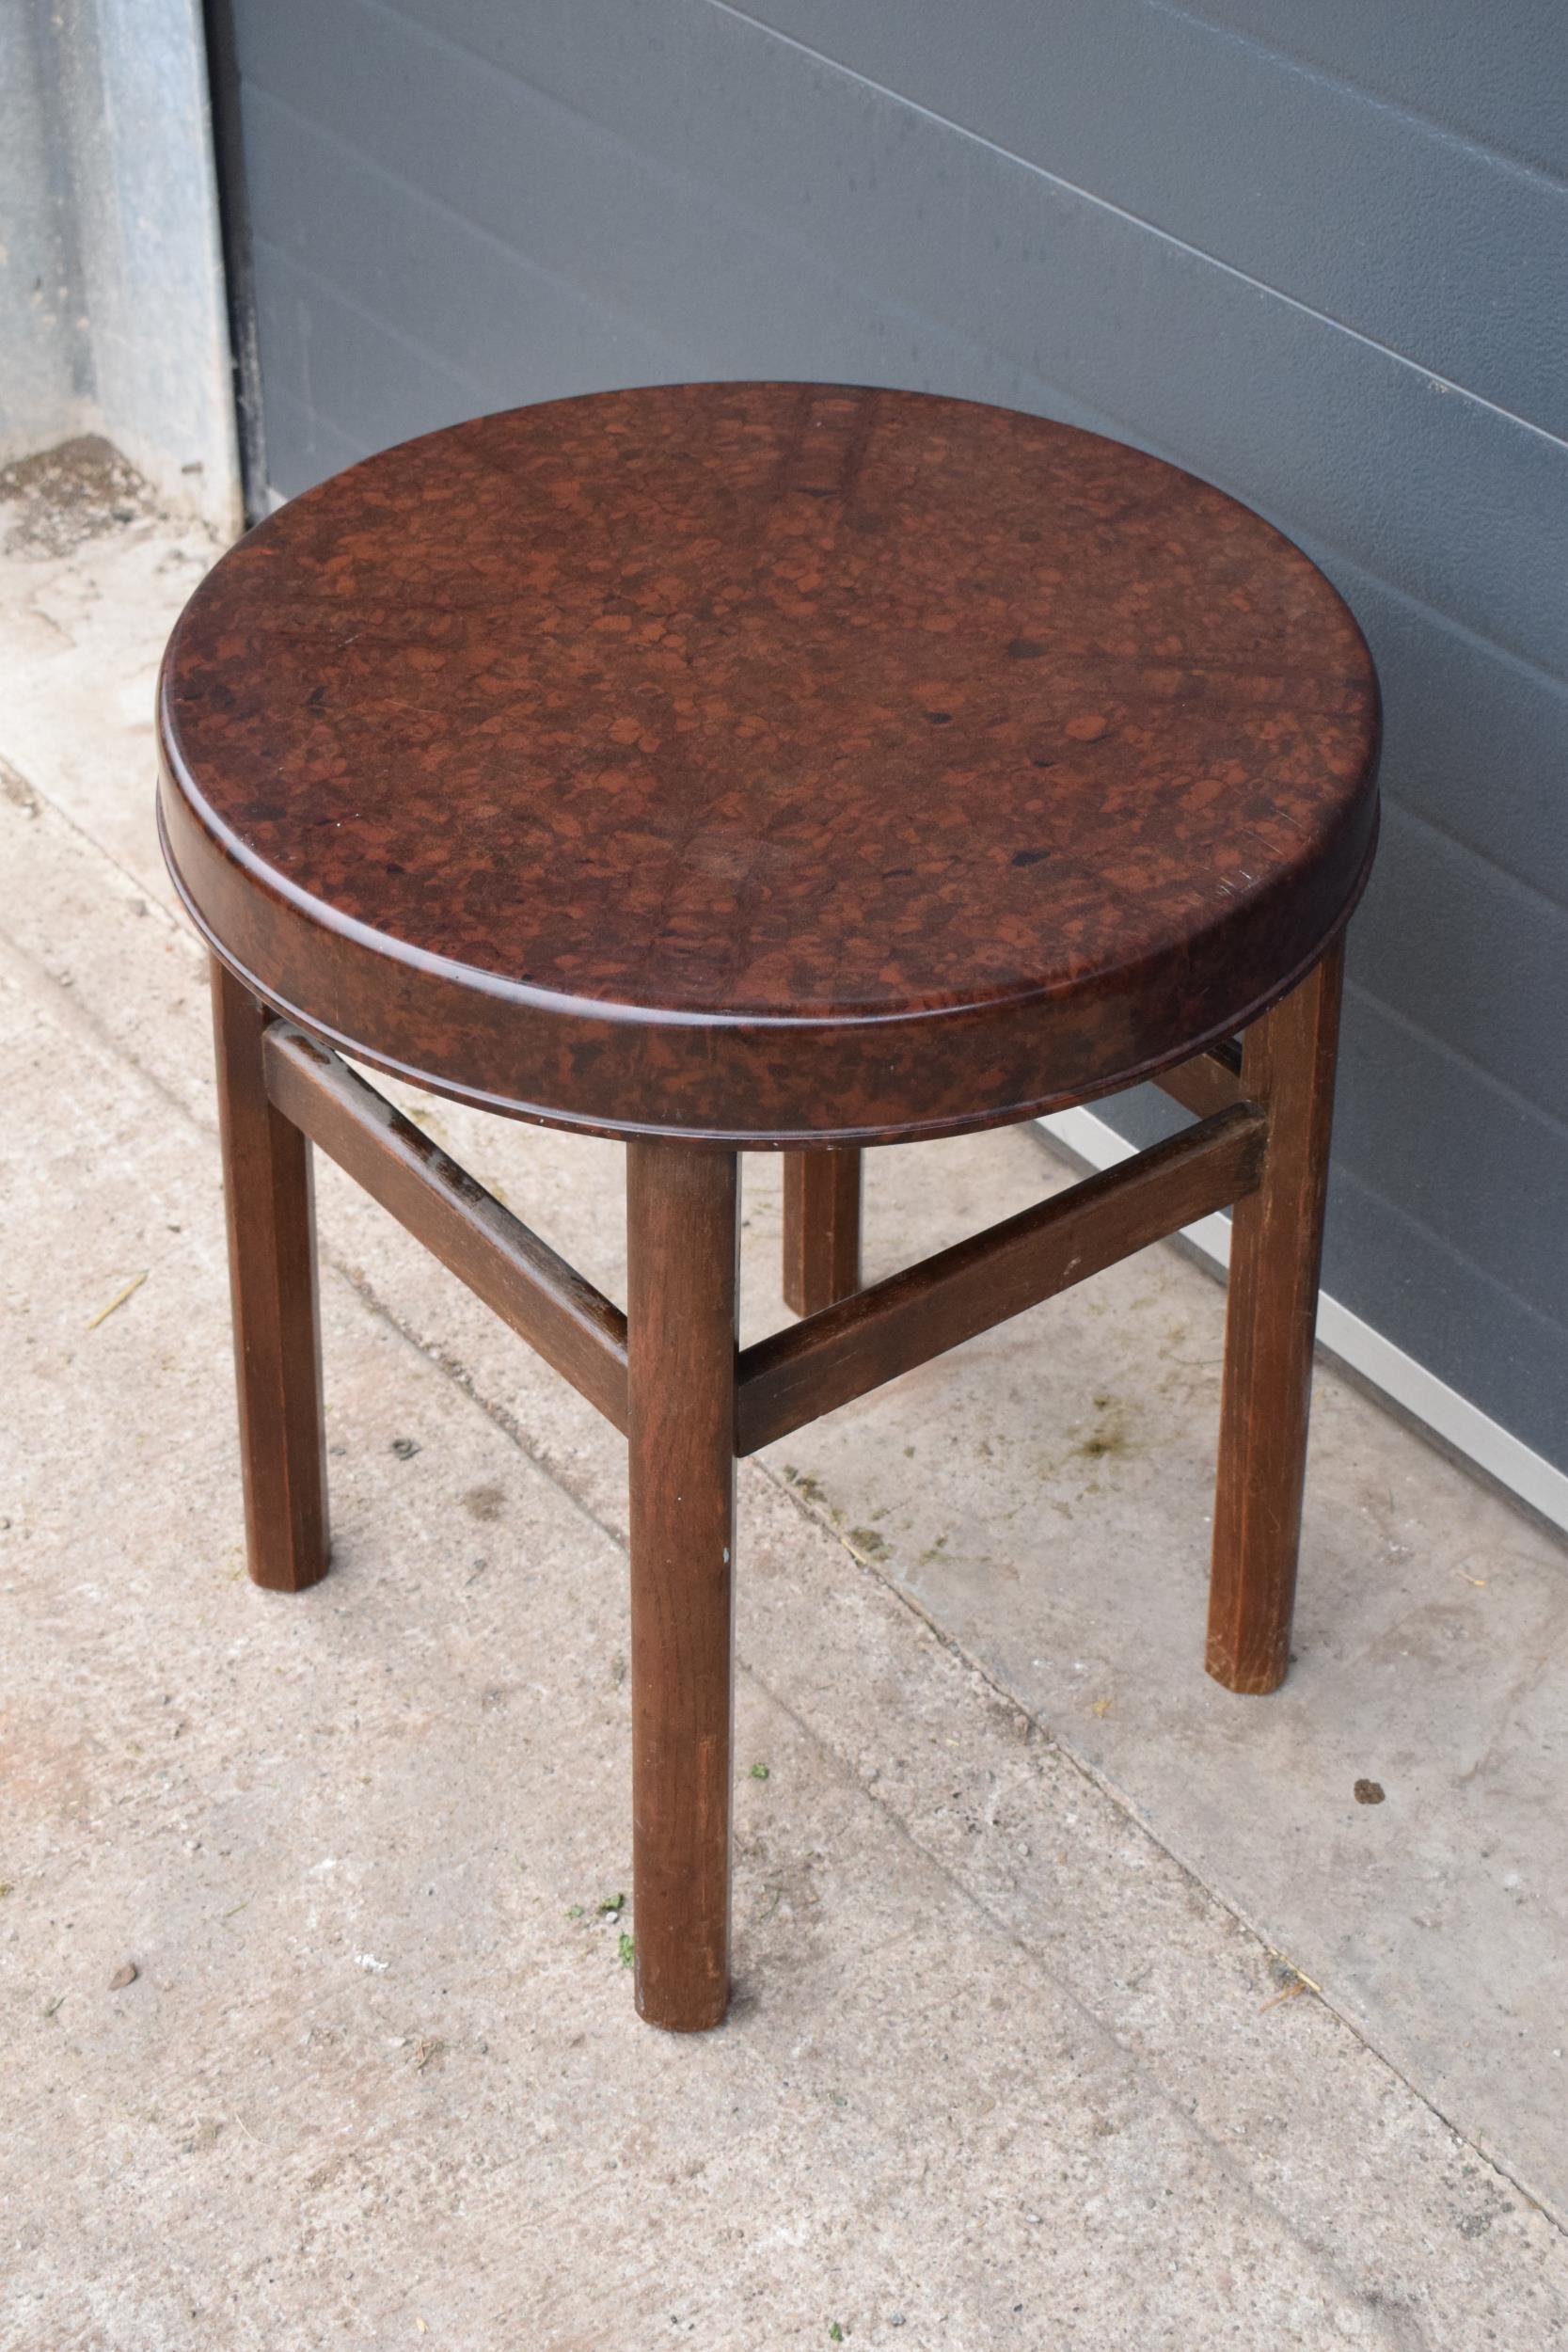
(670, 1375)
(821, 1228)
(843, 1351)
(763, 868)
(545, 1301)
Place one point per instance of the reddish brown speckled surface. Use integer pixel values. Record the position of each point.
(767, 760)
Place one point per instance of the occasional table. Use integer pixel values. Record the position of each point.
(768, 767)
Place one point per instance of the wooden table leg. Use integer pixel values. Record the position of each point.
(1288, 1062)
(682, 1237)
(272, 1270)
(821, 1228)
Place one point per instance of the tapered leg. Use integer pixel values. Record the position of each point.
(1276, 1243)
(272, 1271)
(821, 1228)
(682, 1234)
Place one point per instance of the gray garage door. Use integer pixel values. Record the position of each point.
(1328, 276)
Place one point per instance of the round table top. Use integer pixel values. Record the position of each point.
(767, 761)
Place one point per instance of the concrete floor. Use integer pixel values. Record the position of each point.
(1021, 2053)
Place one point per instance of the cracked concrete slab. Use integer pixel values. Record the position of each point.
(1015, 2055)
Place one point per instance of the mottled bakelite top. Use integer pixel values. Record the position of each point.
(766, 760)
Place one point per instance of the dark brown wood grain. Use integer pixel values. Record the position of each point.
(767, 763)
(272, 1268)
(821, 1228)
(1209, 1083)
(1288, 1063)
(545, 1301)
(682, 1275)
(811, 1368)
(779, 764)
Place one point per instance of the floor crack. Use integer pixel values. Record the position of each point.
(820, 1516)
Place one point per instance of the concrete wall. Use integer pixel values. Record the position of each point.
(1319, 255)
(112, 313)
(44, 364)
